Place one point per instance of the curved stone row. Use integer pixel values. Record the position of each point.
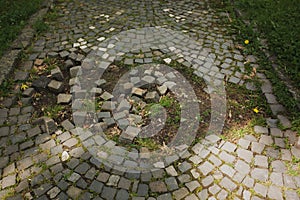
(36, 164)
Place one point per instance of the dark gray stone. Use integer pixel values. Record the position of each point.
(57, 74)
(122, 195)
(108, 193)
(41, 83)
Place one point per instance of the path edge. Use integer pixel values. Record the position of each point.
(11, 56)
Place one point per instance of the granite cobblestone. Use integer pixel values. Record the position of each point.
(252, 167)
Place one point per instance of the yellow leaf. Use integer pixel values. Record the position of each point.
(256, 110)
(24, 86)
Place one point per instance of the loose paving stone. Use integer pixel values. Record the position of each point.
(56, 86)
(138, 91)
(64, 98)
(50, 125)
(57, 74)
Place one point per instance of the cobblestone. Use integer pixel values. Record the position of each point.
(56, 153)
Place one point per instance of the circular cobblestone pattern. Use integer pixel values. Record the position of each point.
(133, 100)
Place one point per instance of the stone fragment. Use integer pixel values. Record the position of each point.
(257, 147)
(79, 117)
(68, 64)
(245, 154)
(251, 86)
(56, 86)
(162, 89)
(64, 98)
(100, 82)
(271, 98)
(124, 105)
(106, 96)
(57, 74)
(50, 125)
(108, 106)
(152, 96)
(64, 156)
(67, 125)
(130, 133)
(28, 92)
(138, 91)
(75, 71)
(41, 83)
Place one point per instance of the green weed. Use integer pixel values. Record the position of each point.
(13, 17)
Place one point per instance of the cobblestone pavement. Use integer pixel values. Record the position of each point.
(59, 161)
